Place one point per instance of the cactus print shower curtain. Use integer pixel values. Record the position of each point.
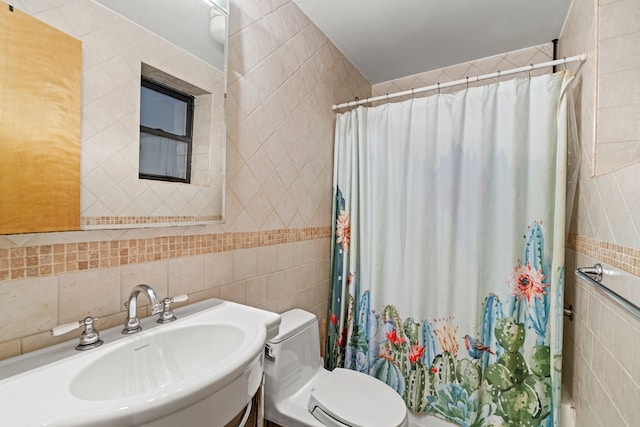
(448, 250)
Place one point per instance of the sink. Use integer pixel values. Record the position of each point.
(156, 361)
(200, 370)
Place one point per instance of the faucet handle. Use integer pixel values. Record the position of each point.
(65, 328)
(167, 314)
(179, 298)
(90, 338)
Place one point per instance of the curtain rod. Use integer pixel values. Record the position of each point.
(577, 58)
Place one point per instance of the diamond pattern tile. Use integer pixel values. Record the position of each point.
(113, 50)
(488, 65)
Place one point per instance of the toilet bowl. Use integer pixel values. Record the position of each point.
(298, 391)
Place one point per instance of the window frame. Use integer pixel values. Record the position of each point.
(188, 138)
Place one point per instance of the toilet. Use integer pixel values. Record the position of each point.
(298, 391)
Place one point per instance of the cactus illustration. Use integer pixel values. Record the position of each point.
(516, 365)
(491, 313)
(510, 335)
(469, 374)
(455, 404)
(534, 248)
(374, 342)
(443, 369)
(398, 345)
(530, 302)
(333, 350)
(499, 384)
(427, 340)
(389, 373)
(538, 310)
(411, 330)
(417, 382)
(541, 361)
(391, 317)
(360, 336)
(346, 342)
(542, 388)
(521, 406)
(522, 395)
(498, 376)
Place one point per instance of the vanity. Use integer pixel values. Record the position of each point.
(203, 369)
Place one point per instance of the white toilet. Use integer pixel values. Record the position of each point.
(300, 392)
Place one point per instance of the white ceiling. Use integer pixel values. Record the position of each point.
(166, 18)
(386, 40)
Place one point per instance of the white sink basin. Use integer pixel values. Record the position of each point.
(156, 361)
(199, 370)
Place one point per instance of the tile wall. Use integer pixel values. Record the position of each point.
(618, 128)
(488, 65)
(600, 367)
(272, 251)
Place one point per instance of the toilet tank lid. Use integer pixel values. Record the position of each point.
(292, 322)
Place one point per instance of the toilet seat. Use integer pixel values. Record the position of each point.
(346, 398)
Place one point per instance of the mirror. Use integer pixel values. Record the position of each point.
(180, 44)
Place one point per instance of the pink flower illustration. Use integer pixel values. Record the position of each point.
(394, 338)
(343, 230)
(416, 353)
(527, 282)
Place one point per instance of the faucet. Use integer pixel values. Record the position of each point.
(132, 324)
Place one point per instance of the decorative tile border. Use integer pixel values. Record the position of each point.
(132, 220)
(626, 259)
(45, 260)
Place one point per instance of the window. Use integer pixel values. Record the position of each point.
(166, 132)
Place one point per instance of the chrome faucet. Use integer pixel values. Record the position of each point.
(132, 324)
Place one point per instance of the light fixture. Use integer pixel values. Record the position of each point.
(217, 25)
(223, 5)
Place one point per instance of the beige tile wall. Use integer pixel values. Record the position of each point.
(600, 346)
(284, 75)
(274, 277)
(491, 64)
(618, 138)
(600, 362)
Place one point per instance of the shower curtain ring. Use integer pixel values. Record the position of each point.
(498, 76)
(530, 68)
(387, 97)
(467, 82)
(412, 93)
(438, 88)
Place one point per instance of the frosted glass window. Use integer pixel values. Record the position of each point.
(166, 128)
(161, 156)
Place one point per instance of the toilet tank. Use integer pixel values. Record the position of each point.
(293, 356)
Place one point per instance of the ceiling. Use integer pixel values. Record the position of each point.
(386, 40)
(195, 37)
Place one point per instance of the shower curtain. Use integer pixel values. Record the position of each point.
(448, 250)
